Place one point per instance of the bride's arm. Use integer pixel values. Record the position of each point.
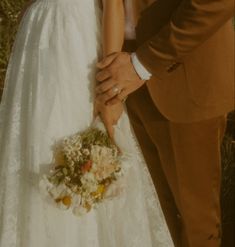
(113, 26)
(112, 40)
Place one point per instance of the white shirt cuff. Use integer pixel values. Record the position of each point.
(142, 72)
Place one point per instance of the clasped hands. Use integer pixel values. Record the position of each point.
(117, 79)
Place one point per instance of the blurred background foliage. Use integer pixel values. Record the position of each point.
(9, 11)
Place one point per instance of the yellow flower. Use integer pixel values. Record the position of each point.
(67, 201)
(100, 191)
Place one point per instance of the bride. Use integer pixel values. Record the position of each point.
(49, 95)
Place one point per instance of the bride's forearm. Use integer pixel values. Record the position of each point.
(113, 26)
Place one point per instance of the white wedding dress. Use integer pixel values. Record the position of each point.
(48, 95)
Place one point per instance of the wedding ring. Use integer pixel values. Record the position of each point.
(116, 90)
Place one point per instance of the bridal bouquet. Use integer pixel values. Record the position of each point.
(86, 169)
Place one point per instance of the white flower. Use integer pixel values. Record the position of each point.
(59, 191)
(45, 186)
(76, 199)
(86, 151)
(102, 155)
(114, 189)
(61, 206)
(79, 211)
(89, 183)
(89, 177)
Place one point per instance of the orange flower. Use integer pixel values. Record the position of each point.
(87, 166)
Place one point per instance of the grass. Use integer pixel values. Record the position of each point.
(9, 11)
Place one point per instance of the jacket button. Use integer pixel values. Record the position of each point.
(173, 67)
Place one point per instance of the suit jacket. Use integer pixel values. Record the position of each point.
(188, 46)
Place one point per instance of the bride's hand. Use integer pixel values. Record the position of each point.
(109, 114)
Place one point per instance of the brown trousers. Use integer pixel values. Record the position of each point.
(185, 164)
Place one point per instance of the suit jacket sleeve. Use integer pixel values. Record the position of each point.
(193, 22)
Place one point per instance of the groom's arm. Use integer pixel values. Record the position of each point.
(193, 22)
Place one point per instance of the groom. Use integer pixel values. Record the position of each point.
(180, 86)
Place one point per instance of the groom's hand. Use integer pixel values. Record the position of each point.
(117, 78)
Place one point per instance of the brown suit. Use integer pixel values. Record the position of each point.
(179, 116)
(191, 55)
